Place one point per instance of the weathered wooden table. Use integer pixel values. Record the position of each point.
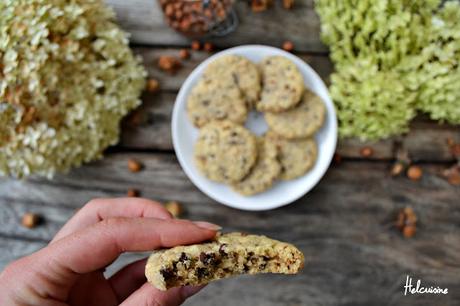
(342, 226)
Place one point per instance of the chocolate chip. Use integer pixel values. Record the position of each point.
(167, 273)
(183, 257)
(221, 249)
(202, 272)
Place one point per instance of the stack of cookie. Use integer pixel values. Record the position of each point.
(219, 104)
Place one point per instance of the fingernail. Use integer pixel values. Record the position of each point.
(191, 290)
(207, 225)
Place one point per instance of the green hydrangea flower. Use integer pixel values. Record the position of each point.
(391, 58)
(67, 77)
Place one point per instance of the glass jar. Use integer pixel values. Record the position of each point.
(199, 18)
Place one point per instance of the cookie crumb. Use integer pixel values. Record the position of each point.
(414, 173)
(134, 165)
(30, 220)
(288, 46)
(133, 193)
(174, 208)
(153, 85)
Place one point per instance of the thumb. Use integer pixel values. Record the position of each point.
(149, 295)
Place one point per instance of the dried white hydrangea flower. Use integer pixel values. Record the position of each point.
(392, 57)
(67, 77)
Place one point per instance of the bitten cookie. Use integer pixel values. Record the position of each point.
(216, 99)
(301, 121)
(265, 171)
(225, 151)
(242, 71)
(283, 85)
(296, 156)
(228, 255)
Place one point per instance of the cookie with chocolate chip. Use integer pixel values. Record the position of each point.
(216, 99)
(225, 151)
(264, 172)
(297, 156)
(301, 121)
(227, 255)
(243, 72)
(283, 84)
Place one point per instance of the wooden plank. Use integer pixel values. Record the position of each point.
(172, 82)
(13, 249)
(342, 226)
(425, 142)
(144, 20)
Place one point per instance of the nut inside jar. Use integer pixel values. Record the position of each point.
(200, 17)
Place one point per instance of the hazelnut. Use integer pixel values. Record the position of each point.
(153, 85)
(184, 54)
(455, 150)
(288, 46)
(409, 231)
(30, 220)
(366, 152)
(174, 208)
(196, 45)
(134, 165)
(168, 63)
(288, 4)
(133, 193)
(208, 47)
(397, 169)
(414, 173)
(337, 158)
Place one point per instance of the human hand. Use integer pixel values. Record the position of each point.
(69, 271)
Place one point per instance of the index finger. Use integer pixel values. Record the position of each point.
(99, 245)
(100, 209)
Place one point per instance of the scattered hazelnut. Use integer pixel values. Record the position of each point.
(288, 4)
(337, 158)
(168, 63)
(455, 150)
(366, 152)
(133, 193)
(184, 54)
(196, 45)
(406, 222)
(400, 220)
(153, 85)
(409, 231)
(397, 169)
(30, 220)
(174, 208)
(411, 218)
(260, 5)
(208, 47)
(452, 175)
(134, 165)
(414, 173)
(288, 46)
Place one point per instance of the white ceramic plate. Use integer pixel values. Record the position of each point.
(184, 135)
